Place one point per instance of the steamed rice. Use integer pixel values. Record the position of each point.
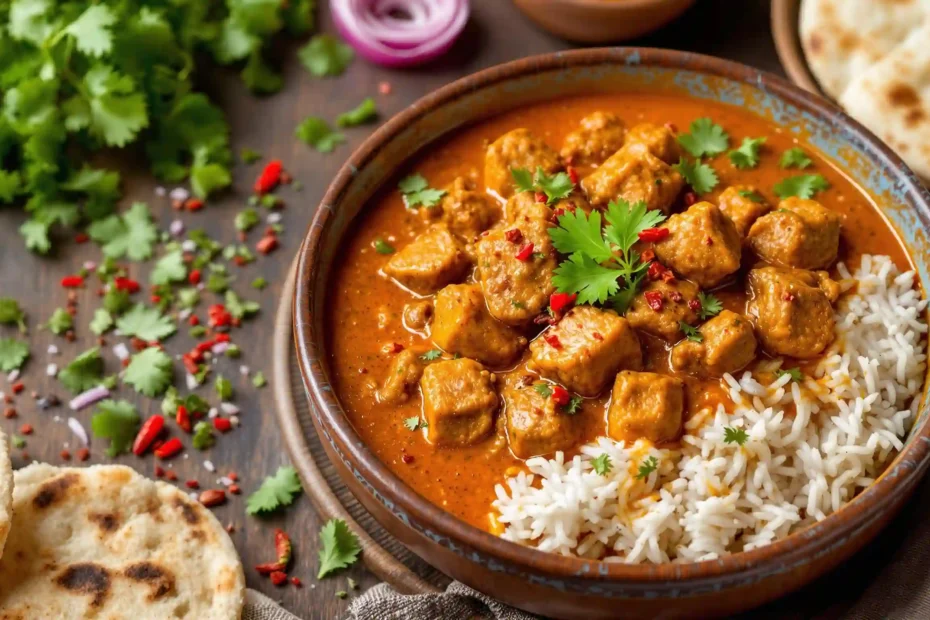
(811, 447)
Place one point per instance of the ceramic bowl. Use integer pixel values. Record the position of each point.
(602, 21)
(550, 584)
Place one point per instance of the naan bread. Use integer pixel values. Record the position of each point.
(893, 100)
(844, 38)
(105, 542)
(6, 490)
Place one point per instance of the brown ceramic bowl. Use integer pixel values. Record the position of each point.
(550, 584)
(785, 32)
(602, 21)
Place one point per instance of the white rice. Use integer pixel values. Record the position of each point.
(710, 498)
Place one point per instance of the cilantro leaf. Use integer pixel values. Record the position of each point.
(169, 268)
(555, 186)
(412, 423)
(795, 373)
(146, 323)
(412, 184)
(734, 435)
(621, 301)
(259, 379)
(12, 354)
(203, 436)
(795, 158)
(340, 547)
(417, 192)
(431, 355)
(802, 186)
(710, 305)
(84, 372)
(701, 177)
(573, 405)
(207, 178)
(91, 30)
(752, 195)
(325, 55)
(626, 221)
(316, 132)
(12, 314)
(117, 421)
(365, 112)
(60, 321)
(249, 156)
(35, 234)
(705, 138)
(581, 274)
(149, 372)
(580, 232)
(646, 467)
(602, 464)
(131, 235)
(383, 247)
(240, 308)
(523, 179)
(747, 155)
(247, 219)
(224, 388)
(543, 389)
(691, 333)
(276, 491)
(116, 301)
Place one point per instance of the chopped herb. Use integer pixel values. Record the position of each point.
(60, 321)
(383, 247)
(259, 379)
(518, 304)
(543, 389)
(751, 195)
(259, 283)
(18, 442)
(802, 186)
(101, 322)
(249, 156)
(747, 155)
(431, 355)
(352, 584)
(602, 464)
(247, 219)
(341, 594)
(233, 351)
(705, 138)
(269, 201)
(316, 132)
(240, 308)
(795, 373)
(325, 55)
(13, 354)
(149, 372)
(224, 388)
(146, 323)
(84, 372)
(132, 234)
(648, 466)
(710, 305)
(117, 421)
(169, 268)
(417, 192)
(574, 404)
(340, 547)
(197, 331)
(555, 186)
(734, 435)
(12, 314)
(116, 301)
(795, 158)
(276, 491)
(217, 282)
(700, 176)
(203, 436)
(691, 333)
(188, 297)
(413, 423)
(365, 112)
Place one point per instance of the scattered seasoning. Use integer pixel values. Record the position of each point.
(278, 578)
(72, 281)
(269, 177)
(654, 299)
(653, 235)
(213, 497)
(169, 449)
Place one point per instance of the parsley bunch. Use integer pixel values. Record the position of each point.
(78, 76)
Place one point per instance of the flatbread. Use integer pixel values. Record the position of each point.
(844, 38)
(105, 542)
(6, 491)
(893, 100)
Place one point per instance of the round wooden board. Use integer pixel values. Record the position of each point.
(383, 555)
(788, 44)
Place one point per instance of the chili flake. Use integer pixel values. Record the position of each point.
(654, 300)
(552, 340)
(560, 395)
(514, 235)
(653, 235)
(525, 252)
(560, 301)
(72, 281)
(269, 177)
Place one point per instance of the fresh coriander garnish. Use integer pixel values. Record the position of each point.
(417, 192)
(340, 547)
(203, 436)
(602, 464)
(316, 132)
(276, 491)
(415, 423)
(705, 138)
(240, 308)
(132, 234)
(691, 333)
(701, 177)
(543, 389)
(146, 323)
(365, 112)
(325, 55)
(795, 373)
(84, 372)
(12, 314)
(117, 421)
(554, 186)
(795, 158)
(710, 305)
(431, 355)
(752, 195)
(646, 467)
(13, 354)
(18, 442)
(259, 283)
(223, 387)
(247, 219)
(517, 304)
(60, 321)
(747, 155)
(169, 268)
(101, 322)
(734, 435)
(572, 406)
(149, 372)
(249, 156)
(259, 379)
(802, 186)
(383, 247)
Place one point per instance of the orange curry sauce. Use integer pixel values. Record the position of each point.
(366, 308)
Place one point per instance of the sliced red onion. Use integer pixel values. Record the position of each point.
(219, 348)
(373, 28)
(229, 408)
(78, 431)
(85, 399)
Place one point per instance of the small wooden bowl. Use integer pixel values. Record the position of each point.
(602, 21)
(787, 36)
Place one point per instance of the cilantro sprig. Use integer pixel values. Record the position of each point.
(340, 547)
(554, 186)
(735, 435)
(710, 305)
(705, 137)
(646, 467)
(795, 158)
(802, 186)
(13, 353)
(117, 421)
(691, 332)
(795, 373)
(417, 192)
(12, 314)
(747, 155)
(84, 372)
(602, 464)
(700, 176)
(276, 491)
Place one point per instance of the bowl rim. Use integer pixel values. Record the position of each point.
(834, 531)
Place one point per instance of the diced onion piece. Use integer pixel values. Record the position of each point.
(85, 399)
(78, 429)
(400, 33)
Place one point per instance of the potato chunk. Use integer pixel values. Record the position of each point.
(600, 135)
(585, 350)
(402, 378)
(729, 345)
(658, 140)
(801, 233)
(535, 426)
(737, 203)
(703, 245)
(792, 310)
(645, 405)
(661, 306)
(429, 262)
(463, 325)
(464, 210)
(459, 402)
(634, 174)
(516, 149)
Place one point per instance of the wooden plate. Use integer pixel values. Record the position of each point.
(787, 37)
(383, 554)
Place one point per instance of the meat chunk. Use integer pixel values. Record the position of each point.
(402, 378)
(800, 233)
(659, 140)
(585, 350)
(535, 425)
(459, 402)
(743, 204)
(463, 325)
(792, 310)
(516, 149)
(418, 314)
(429, 262)
(465, 211)
(600, 135)
(516, 263)
(661, 306)
(729, 345)
(703, 245)
(634, 174)
(645, 405)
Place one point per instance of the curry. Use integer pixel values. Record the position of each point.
(463, 340)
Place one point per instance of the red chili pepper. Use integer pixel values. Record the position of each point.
(572, 174)
(72, 281)
(18, 387)
(278, 578)
(159, 471)
(240, 261)
(525, 252)
(694, 304)
(125, 284)
(513, 235)
(192, 484)
(674, 296)
(297, 582)
(193, 204)
(653, 235)
(234, 489)
(659, 271)
(268, 568)
(222, 338)
(183, 418)
(560, 395)
(194, 276)
(690, 198)
(647, 255)
(283, 547)
(560, 301)
(169, 448)
(193, 320)
(155, 299)
(541, 197)
(668, 276)
(552, 340)
(203, 347)
(267, 244)
(81, 238)
(223, 425)
(147, 434)
(189, 364)
(269, 178)
(171, 475)
(654, 300)
(26, 429)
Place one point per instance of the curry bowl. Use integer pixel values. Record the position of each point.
(567, 586)
(602, 21)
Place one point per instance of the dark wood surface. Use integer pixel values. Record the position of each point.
(496, 33)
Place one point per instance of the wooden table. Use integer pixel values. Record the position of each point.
(496, 33)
